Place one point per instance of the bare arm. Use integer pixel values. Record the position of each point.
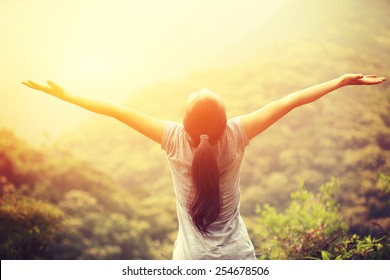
(151, 127)
(259, 120)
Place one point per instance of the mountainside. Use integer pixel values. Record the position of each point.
(346, 134)
(315, 185)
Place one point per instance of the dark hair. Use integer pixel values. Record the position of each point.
(204, 115)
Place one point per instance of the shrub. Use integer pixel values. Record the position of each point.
(311, 228)
(27, 226)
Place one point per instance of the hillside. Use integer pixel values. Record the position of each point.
(345, 135)
(308, 184)
(55, 206)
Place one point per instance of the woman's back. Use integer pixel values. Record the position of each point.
(228, 237)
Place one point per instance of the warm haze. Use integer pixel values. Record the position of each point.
(315, 185)
(108, 49)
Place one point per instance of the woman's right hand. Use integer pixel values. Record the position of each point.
(52, 88)
(360, 79)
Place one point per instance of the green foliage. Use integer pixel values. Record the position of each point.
(305, 228)
(358, 248)
(384, 183)
(311, 228)
(27, 227)
(99, 219)
(92, 232)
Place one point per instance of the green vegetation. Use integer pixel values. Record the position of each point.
(54, 206)
(28, 227)
(104, 192)
(311, 228)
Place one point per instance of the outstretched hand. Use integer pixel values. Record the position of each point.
(51, 88)
(360, 79)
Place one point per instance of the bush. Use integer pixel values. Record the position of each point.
(27, 226)
(311, 228)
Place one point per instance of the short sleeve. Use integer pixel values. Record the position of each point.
(167, 141)
(238, 132)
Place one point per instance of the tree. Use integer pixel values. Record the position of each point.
(27, 227)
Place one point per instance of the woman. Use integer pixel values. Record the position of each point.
(205, 155)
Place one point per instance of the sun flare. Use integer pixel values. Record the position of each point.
(93, 46)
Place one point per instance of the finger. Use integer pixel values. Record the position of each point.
(381, 79)
(31, 84)
(358, 76)
(51, 83)
(370, 76)
(35, 85)
(27, 84)
(54, 85)
(374, 81)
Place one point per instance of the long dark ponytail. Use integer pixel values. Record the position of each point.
(205, 122)
(205, 202)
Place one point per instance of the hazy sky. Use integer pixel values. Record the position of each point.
(108, 49)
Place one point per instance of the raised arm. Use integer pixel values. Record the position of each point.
(151, 127)
(259, 120)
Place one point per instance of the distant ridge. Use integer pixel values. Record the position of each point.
(340, 135)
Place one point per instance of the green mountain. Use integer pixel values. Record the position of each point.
(103, 191)
(346, 134)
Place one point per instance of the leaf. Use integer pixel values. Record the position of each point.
(325, 255)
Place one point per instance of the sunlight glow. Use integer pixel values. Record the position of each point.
(96, 64)
(89, 46)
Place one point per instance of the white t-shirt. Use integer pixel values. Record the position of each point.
(228, 238)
